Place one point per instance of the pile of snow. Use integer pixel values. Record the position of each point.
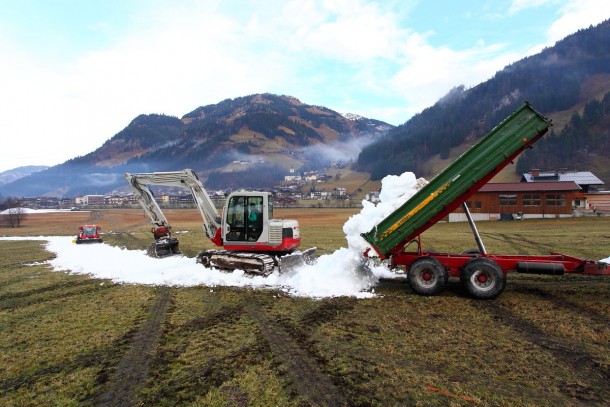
(338, 274)
(395, 191)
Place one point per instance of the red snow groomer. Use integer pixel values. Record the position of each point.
(88, 234)
(481, 273)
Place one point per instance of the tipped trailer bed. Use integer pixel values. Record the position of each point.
(482, 274)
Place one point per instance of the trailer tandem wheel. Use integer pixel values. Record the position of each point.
(427, 276)
(483, 278)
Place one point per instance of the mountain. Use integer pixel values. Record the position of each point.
(6, 177)
(568, 83)
(249, 142)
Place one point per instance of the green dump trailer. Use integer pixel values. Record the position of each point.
(482, 274)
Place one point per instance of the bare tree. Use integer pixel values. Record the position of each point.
(14, 213)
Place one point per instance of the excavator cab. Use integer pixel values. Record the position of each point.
(248, 225)
(245, 219)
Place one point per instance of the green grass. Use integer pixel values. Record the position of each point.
(60, 333)
(544, 342)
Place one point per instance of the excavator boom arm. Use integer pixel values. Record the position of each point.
(184, 179)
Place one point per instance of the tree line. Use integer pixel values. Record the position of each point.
(586, 134)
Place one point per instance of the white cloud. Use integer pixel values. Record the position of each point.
(355, 33)
(578, 14)
(520, 5)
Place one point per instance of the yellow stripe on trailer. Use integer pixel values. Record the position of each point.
(413, 211)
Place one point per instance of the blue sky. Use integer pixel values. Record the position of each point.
(74, 73)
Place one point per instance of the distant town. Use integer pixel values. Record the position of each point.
(539, 194)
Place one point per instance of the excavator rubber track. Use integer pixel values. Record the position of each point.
(251, 263)
(255, 263)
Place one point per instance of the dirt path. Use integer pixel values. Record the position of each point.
(132, 371)
(129, 228)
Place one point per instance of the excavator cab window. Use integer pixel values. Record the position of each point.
(245, 218)
(270, 209)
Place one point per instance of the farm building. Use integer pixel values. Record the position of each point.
(596, 197)
(598, 201)
(522, 200)
(585, 179)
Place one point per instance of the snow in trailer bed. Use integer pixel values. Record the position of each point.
(336, 274)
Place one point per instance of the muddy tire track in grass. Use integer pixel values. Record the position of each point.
(132, 371)
(103, 357)
(593, 378)
(307, 379)
(518, 241)
(563, 303)
(183, 386)
(50, 293)
(95, 215)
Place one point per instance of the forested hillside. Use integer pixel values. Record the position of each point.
(552, 81)
(585, 137)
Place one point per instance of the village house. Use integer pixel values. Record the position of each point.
(115, 200)
(340, 193)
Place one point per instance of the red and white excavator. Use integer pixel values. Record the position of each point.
(250, 238)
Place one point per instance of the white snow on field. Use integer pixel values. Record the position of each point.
(30, 211)
(337, 274)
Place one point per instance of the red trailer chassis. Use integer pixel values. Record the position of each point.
(482, 274)
(552, 264)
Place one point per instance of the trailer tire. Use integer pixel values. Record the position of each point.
(427, 276)
(483, 278)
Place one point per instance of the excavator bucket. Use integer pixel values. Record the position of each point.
(297, 259)
(163, 248)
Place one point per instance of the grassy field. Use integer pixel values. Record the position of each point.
(74, 340)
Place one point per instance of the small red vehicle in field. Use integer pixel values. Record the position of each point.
(89, 234)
